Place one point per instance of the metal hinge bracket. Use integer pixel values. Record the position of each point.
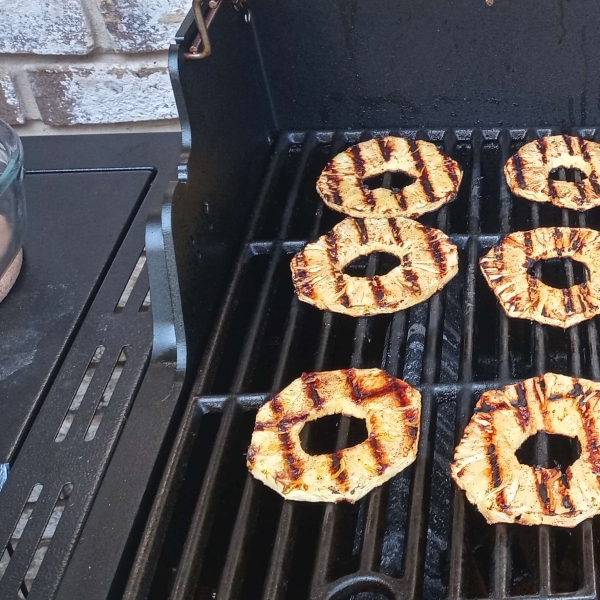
(201, 47)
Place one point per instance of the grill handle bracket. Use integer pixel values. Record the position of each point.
(201, 47)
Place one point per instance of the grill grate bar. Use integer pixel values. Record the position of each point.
(501, 573)
(194, 545)
(276, 582)
(375, 511)
(585, 530)
(229, 586)
(253, 401)
(258, 247)
(376, 502)
(418, 511)
(466, 365)
(231, 580)
(331, 513)
(188, 573)
(545, 536)
(248, 354)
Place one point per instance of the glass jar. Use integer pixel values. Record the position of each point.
(13, 217)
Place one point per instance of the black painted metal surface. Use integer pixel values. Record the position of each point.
(458, 63)
(77, 338)
(74, 227)
(228, 536)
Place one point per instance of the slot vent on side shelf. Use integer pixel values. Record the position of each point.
(146, 303)
(17, 533)
(80, 394)
(135, 274)
(108, 393)
(44, 543)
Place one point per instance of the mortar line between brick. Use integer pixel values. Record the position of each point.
(13, 62)
(40, 128)
(97, 25)
(26, 95)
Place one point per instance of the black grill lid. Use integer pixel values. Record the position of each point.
(437, 64)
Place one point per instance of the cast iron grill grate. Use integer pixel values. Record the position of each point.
(416, 536)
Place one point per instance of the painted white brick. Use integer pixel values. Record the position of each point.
(43, 27)
(143, 25)
(10, 106)
(103, 94)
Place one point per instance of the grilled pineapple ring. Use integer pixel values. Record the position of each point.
(390, 407)
(528, 171)
(342, 182)
(506, 491)
(506, 268)
(428, 260)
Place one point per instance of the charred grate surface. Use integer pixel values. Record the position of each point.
(416, 536)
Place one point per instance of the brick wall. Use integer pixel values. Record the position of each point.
(72, 65)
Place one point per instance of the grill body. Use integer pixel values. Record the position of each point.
(284, 90)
